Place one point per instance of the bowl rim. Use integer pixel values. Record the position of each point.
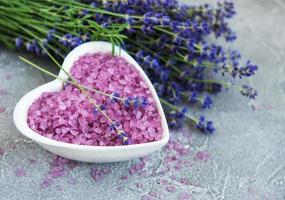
(21, 109)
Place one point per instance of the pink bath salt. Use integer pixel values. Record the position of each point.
(161, 181)
(20, 172)
(203, 156)
(96, 174)
(137, 167)
(8, 76)
(178, 167)
(106, 170)
(185, 181)
(2, 109)
(139, 185)
(171, 188)
(46, 183)
(120, 188)
(124, 177)
(3, 92)
(68, 115)
(72, 181)
(184, 196)
(146, 197)
(154, 193)
(32, 161)
(2, 151)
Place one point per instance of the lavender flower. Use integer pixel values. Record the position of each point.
(29, 46)
(205, 126)
(193, 98)
(136, 102)
(18, 42)
(176, 118)
(247, 70)
(124, 137)
(50, 34)
(115, 96)
(248, 91)
(207, 102)
(66, 39)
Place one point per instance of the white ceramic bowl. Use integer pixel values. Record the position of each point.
(87, 153)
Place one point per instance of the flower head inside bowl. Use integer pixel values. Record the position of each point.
(28, 125)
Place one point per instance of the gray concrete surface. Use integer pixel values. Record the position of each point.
(246, 155)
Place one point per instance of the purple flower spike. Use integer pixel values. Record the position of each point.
(207, 102)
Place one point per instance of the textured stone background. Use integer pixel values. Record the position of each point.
(244, 160)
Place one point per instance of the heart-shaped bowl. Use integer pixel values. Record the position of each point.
(87, 153)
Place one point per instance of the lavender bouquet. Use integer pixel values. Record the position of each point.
(172, 43)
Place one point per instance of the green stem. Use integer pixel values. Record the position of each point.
(101, 11)
(177, 109)
(185, 94)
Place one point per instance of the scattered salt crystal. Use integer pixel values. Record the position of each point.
(32, 161)
(161, 181)
(153, 193)
(171, 188)
(20, 172)
(8, 77)
(2, 109)
(203, 156)
(106, 170)
(178, 167)
(184, 196)
(2, 151)
(185, 181)
(46, 183)
(123, 177)
(139, 185)
(146, 197)
(120, 188)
